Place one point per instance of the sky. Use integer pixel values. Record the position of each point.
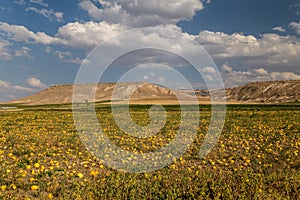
(46, 42)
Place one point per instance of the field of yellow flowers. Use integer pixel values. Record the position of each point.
(256, 157)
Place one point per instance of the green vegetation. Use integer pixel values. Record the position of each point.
(256, 157)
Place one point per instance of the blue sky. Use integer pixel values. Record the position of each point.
(43, 42)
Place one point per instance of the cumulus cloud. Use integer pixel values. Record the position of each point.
(295, 26)
(234, 78)
(20, 33)
(88, 35)
(279, 28)
(266, 49)
(7, 54)
(4, 52)
(226, 68)
(10, 91)
(208, 70)
(67, 57)
(23, 52)
(62, 54)
(77, 35)
(7, 86)
(141, 13)
(35, 82)
(50, 14)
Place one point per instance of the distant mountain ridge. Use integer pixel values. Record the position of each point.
(256, 92)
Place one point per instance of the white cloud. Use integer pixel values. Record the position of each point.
(10, 91)
(76, 61)
(279, 28)
(35, 82)
(77, 35)
(268, 49)
(141, 13)
(7, 86)
(260, 71)
(23, 52)
(4, 52)
(20, 2)
(226, 68)
(17, 33)
(20, 33)
(87, 35)
(50, 14)
(295, 26)
(234, 78)
(39, 2)
(67, 57)
(209, 70)
(62, 54)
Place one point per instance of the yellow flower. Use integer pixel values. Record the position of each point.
(36, 165)
(3, 187)
(50, 196)
(34, 187)
(80, 175)
(13, 186)
(94, 173)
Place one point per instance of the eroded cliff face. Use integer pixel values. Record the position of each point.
(266, 92)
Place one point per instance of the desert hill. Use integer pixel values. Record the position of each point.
(266, 92)
(58, 94)
(256, 92)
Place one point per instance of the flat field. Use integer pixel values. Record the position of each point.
(256, 156)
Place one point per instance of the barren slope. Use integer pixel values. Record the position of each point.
(266, 92)
(260, 92)
(59, 94)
